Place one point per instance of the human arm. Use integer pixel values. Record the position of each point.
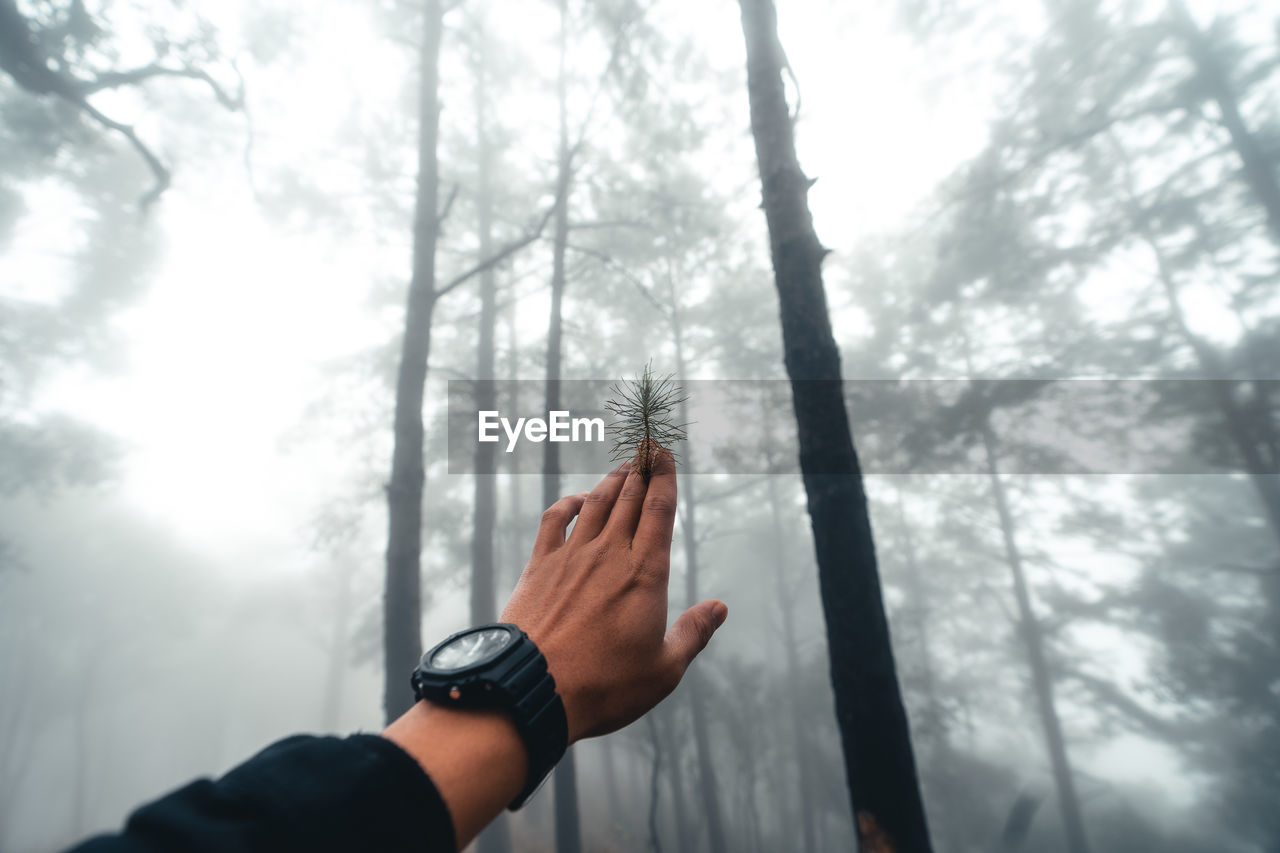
(595, 603)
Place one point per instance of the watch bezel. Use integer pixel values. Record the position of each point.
(513, 639)
(482, 684)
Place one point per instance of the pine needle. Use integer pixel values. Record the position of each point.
(644, 428)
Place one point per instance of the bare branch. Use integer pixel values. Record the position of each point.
(498, 256)
(609, 223)
(608, 261)
(158, 169)
(448, 205)
(116, 79)
(1153, 723)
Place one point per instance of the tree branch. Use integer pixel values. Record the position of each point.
(609, 262)
(158, 169)
(116, 79)
(1169, 730)
(497, 257)
(448, 205)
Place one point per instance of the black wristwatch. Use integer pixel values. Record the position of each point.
(498, 666)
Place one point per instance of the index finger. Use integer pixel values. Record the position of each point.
(658, 515)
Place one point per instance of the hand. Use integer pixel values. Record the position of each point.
(596, 605)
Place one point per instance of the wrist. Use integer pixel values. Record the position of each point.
(475, 758)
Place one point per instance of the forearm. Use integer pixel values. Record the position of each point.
(475, 758)
(313, 794)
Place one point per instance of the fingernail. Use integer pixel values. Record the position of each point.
(719, 613)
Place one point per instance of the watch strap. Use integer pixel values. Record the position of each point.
(540, 719)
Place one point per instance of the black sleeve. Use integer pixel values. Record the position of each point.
(315, 794)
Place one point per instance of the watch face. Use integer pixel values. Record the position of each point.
(471, 649)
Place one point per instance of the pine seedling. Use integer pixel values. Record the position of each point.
(645, 426)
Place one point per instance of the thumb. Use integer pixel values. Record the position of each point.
(692, 631)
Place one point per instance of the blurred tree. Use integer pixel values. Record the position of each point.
(1123, 211)
(402, 613)
(496, 838)
(62, 51)
(402, 601)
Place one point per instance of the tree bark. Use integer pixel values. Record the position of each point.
(709, 786)
(879, 763)
(565, 777)
(1042, 680)
(402, 604)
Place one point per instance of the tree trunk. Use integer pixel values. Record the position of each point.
(496, 837)
(1254, 438)
(1258, 169)
(879, 764)
(610, 768)
(665, 721)
(1068, 803)
(483, 595)
(402, 606)
(331, 715)
(568, 831)
(918, 610)
(655, 775)
(709, 787)
(786, 604)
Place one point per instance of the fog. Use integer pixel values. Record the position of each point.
(211, 218)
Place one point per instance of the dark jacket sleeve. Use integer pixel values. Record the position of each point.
(317, 794)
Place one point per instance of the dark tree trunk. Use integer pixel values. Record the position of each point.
(879, 764)
(565, 777)
(1042, 680)
(402, 607)
(709, 786)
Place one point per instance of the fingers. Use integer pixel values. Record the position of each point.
(658, 515)
(626, 510)
(600, 501)
(555, 521)
(692, 631)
